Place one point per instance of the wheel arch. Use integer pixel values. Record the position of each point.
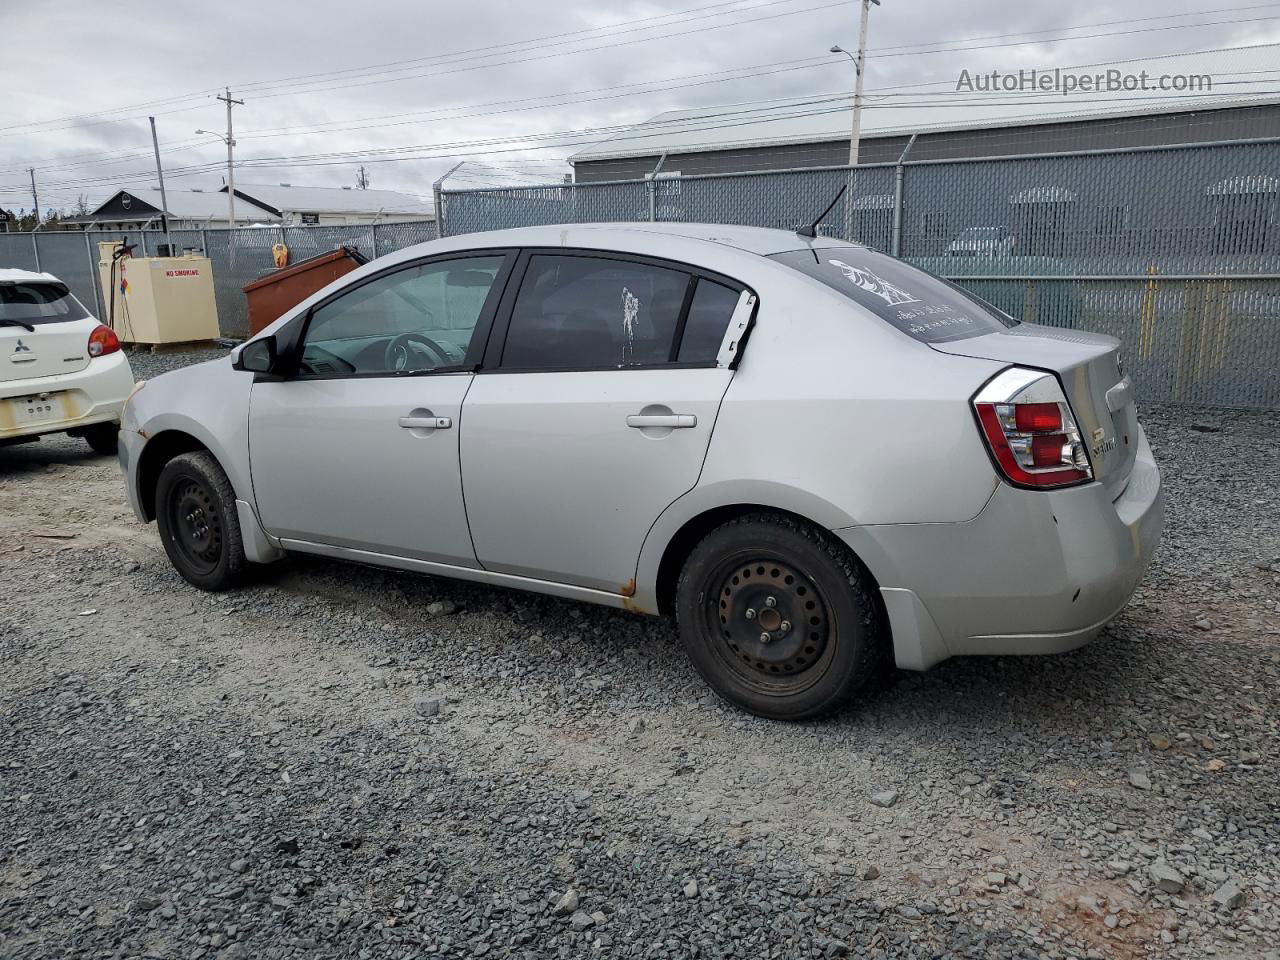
(159, 450)
(691, 517)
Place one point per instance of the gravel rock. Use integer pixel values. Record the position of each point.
(581, 921)
(691, 889)
(274, 728)
(567, 904)
(427, 706)
(1229, 896)
(884, 798)
(1166, 878)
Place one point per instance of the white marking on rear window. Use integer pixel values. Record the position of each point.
(630, 311)
(882, 288)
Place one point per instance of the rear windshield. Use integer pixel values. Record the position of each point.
(38, 302)
(919, 304)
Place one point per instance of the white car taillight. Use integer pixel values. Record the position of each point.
(1027, 423)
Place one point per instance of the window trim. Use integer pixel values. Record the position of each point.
(479, 335)
(492, 362)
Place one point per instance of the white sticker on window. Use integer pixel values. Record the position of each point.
(630, 311)
(868, 281)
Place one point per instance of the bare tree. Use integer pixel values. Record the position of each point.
(362, 178)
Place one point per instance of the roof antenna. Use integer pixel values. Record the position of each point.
(811, 231)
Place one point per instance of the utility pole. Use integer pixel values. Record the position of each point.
(164, 200)
(35, 199)
(859, 65)
(231, 143)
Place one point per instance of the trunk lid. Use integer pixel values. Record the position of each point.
(1088, 365)
(53, 349)
(44, 330)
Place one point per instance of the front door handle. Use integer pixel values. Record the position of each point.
(426, 423)
(673, 421)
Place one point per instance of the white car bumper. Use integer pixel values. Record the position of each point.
(95, 394)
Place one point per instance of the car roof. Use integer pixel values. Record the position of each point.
(758, 240)
(11, 275)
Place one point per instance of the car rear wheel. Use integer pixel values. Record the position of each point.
(103, 438)
(779, 618)
(199, 526)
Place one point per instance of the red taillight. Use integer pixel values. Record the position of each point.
(1046, 451)
(102, 341)
(1028, 426)
(1037, 417)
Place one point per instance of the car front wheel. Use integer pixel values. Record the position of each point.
(778, 617)
(199, 526)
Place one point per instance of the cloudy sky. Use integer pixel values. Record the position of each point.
(411, 87)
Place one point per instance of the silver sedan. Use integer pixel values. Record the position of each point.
(814, 456)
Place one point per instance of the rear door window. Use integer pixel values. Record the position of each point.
(593, 313)
(925, 307)
(38, 302)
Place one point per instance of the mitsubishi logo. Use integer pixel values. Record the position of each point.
(21, 348)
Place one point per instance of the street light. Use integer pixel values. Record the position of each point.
(858, 61)
(231, 183)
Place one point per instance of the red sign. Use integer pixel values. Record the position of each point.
(189, 272)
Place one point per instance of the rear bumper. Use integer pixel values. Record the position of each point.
(1035, 572)
(95, 394)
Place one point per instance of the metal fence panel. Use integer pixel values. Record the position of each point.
(17, 251)
(238, 256)
(1175, 251)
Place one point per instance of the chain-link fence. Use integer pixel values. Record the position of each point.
(238, 256)
(1175, 250)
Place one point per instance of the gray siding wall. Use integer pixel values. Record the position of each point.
(1236, 123)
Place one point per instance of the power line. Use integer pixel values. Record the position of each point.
(767, 69)
(7, 130)
(565, 138)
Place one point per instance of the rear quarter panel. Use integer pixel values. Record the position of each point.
(835, 416)
(832, 401)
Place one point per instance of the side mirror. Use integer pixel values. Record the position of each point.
(257, 356)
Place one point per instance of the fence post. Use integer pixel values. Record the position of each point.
(437, 190)
(374, 231)
(899, 172)
(650, 182)
(94, 274)
(204, 241)
(142, 240)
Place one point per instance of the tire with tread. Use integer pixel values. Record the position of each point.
(104, 438)
(198, 475)
(854, 636)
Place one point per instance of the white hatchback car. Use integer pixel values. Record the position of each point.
(813, 454)
(61, 371)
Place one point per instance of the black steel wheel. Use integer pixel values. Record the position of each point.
(198, 523)
(773, 620)
(779, 617)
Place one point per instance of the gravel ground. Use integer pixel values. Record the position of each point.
(341, 762)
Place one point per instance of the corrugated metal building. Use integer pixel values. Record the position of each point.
(950, 124)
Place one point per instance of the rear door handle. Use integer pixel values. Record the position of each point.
(676, 421)
(426, 423)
